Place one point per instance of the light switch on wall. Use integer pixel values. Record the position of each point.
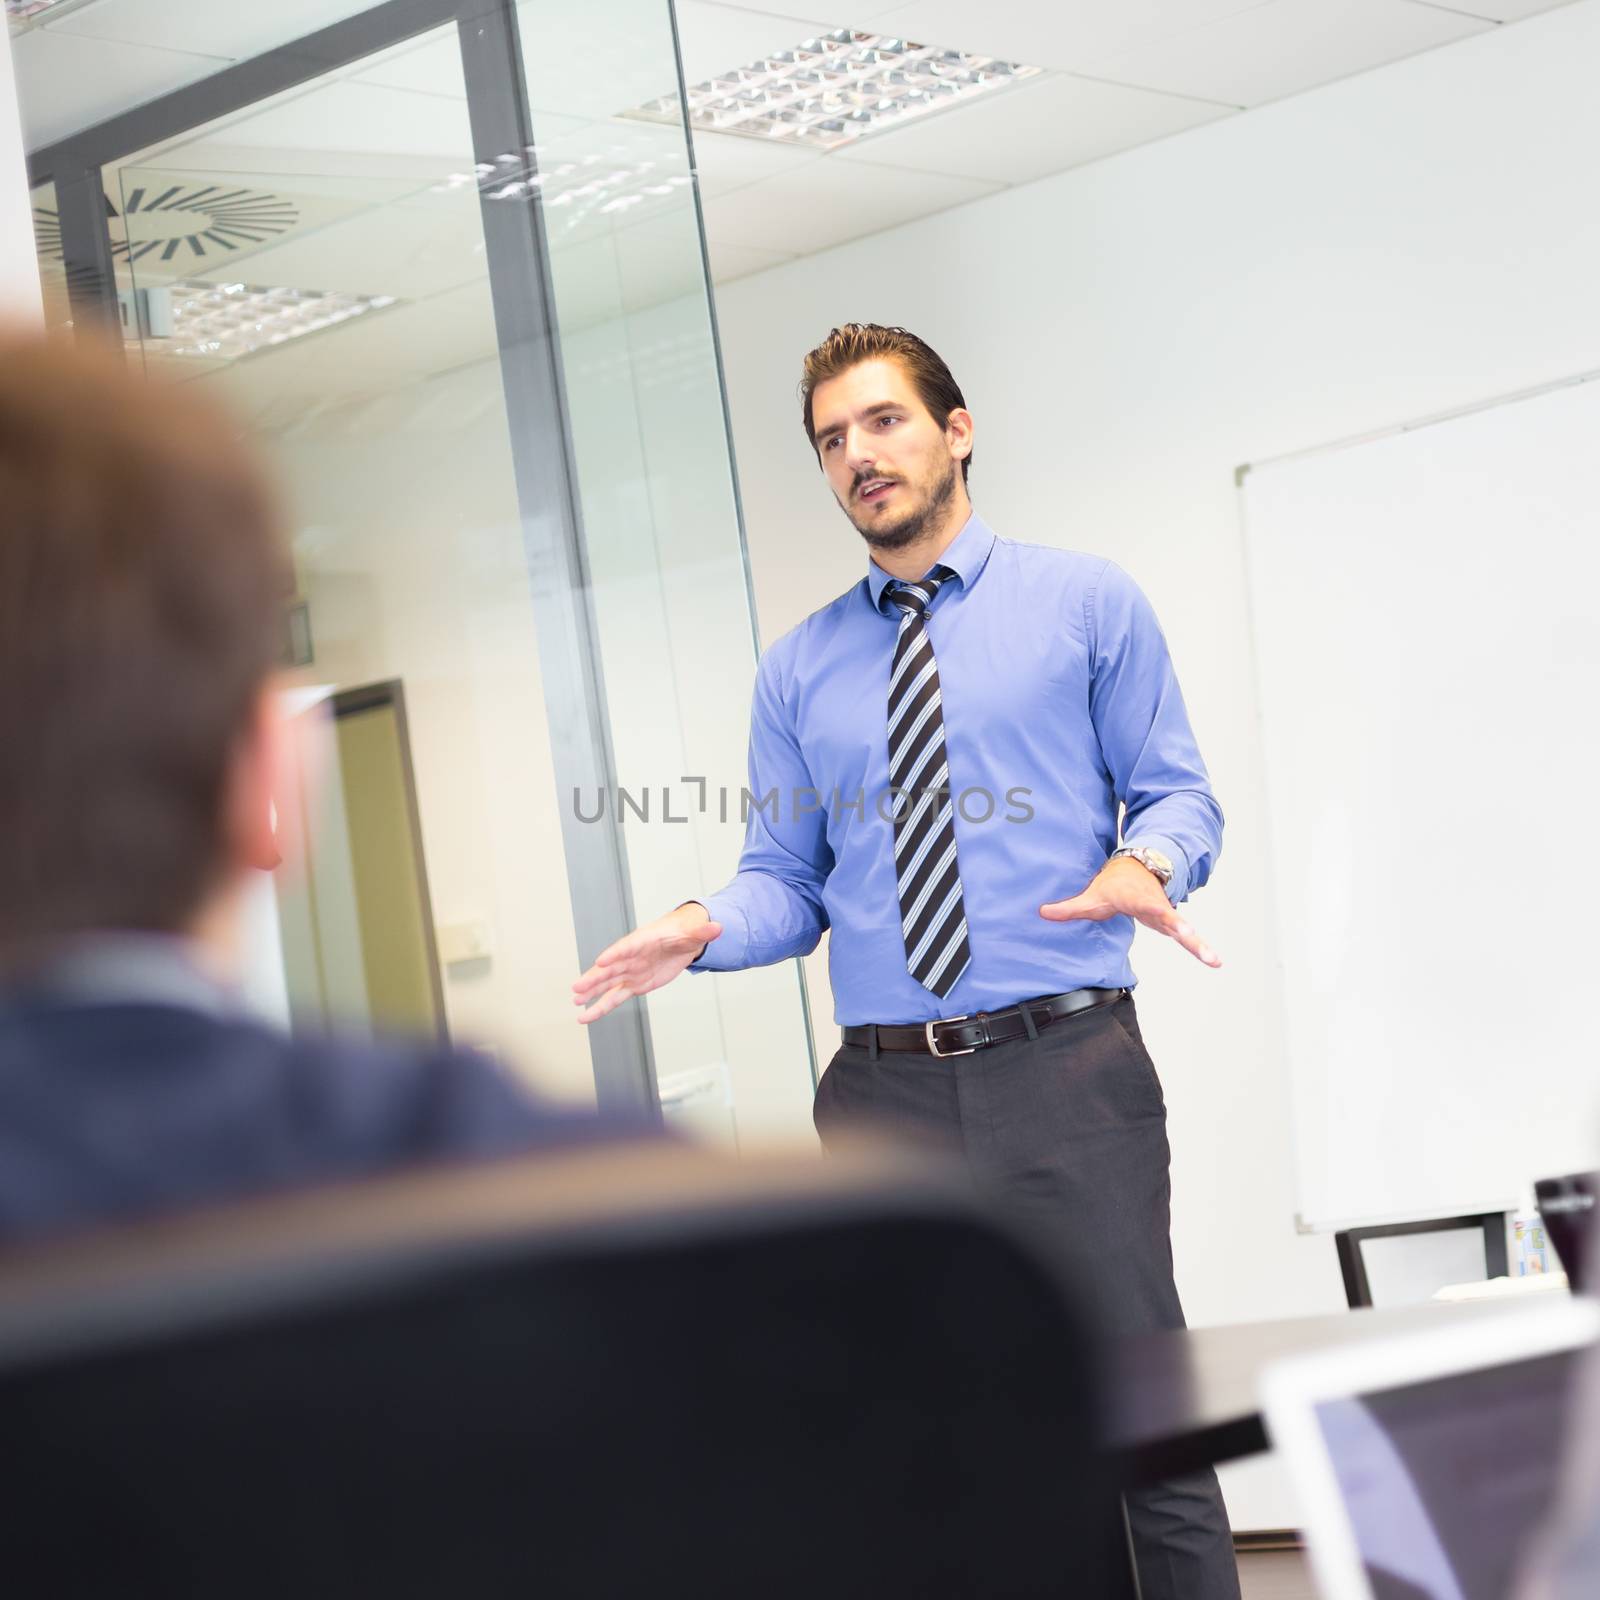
(464, 941)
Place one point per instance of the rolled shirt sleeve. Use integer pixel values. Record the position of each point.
(1143, 727)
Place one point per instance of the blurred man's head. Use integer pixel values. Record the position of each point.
(891, 429)
(143, 576)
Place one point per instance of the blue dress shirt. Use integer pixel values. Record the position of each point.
(1060, 704)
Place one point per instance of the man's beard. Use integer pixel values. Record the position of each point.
(915, 523)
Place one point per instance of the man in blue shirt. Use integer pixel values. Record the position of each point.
(937, 763)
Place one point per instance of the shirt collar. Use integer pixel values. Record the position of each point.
(965, 557)
(126, 968)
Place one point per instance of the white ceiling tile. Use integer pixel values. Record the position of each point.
(204, 26)
(1040, 127)
(593, 61)
(727, 161)
(325, 171)
(658, 258)
(347, 116)
(827, 202)
(410, 251)
(730, 261)
(587, 283)
(1498, 10)
(65, 82)
(1286, 46)
(432, 67)
(408, 340)
(1063, 34)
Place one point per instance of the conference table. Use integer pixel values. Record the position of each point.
(1190, 1399)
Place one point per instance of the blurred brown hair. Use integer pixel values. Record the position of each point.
(142, 581)
(855, 342)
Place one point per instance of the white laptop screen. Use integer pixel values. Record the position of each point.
(1445, 1480)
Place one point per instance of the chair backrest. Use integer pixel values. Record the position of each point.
(608, 1374)
(1401, 1263)
(1567, 1206)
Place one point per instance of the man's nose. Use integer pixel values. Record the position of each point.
(859, 450)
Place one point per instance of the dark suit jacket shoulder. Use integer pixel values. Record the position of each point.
(113, 1111)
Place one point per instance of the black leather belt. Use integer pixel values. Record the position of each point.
(960, 1036)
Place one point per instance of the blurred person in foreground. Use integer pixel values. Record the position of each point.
(143, 579)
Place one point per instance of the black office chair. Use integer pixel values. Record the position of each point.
(1354, 1267)
(616, 1373)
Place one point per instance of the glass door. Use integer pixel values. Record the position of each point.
(459, 294)
(666, 570)
(310, 259)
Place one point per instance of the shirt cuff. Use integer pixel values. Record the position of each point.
(1178, 887)
(729, 950)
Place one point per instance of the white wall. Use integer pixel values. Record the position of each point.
(1128, 334)
(19, 272)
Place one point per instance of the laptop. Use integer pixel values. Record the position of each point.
(1425, 1462)
(1567, 1208)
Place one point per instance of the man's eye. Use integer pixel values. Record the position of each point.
(887, 420)
(828, 444)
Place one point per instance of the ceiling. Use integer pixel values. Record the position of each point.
(1118, 73)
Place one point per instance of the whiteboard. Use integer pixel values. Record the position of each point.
(1426, 612)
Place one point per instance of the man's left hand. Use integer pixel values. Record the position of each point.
(1125, 888)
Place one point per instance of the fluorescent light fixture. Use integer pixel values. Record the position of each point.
(22, 14)
(223, 321)
(837, 88)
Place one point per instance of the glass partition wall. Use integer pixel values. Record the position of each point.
(461, 299)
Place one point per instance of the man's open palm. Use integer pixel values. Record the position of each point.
(643, 960)
(1125, 888)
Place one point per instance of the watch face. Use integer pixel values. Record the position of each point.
(1153, 860)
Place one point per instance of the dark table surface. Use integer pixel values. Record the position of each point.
(1186, 1400)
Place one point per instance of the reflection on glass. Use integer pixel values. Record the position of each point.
(319, 261)
(661, 524)
(79, 64)
(52, 268)
(344, 313)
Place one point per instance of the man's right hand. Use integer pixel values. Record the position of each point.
(644, 960)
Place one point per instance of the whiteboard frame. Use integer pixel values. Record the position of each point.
(1494, 403)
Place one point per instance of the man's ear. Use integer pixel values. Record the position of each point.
(261, 781)
(958, 433)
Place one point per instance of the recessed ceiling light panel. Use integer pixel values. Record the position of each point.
(227, 320)
(22, 14)
(837, 88)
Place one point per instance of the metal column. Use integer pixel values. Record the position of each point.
(530, 366)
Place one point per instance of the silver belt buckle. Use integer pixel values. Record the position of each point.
(933, 1044)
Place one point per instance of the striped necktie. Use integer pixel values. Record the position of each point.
(933, 919)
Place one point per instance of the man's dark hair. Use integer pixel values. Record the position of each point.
(143, 576)
(856, 342)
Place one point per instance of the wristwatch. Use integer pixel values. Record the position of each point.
(1152, 859)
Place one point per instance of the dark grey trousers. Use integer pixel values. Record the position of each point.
(1071, 1128)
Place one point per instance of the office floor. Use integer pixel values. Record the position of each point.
(1275, 1575)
